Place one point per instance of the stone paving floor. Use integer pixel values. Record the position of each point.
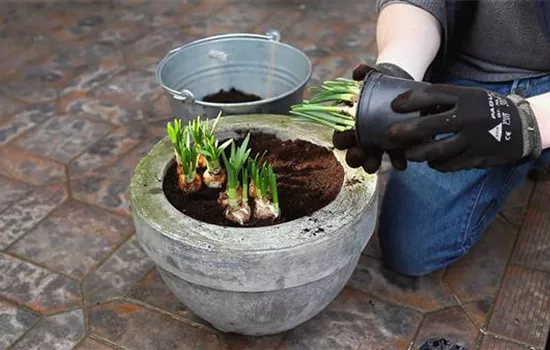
(79, 105)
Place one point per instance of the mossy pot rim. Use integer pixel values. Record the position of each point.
(148, 200)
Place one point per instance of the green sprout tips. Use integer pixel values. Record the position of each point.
(253, 169)
(214, 176)
(174, 132)
(266, 199)
(202, 134)
(264, 183)
(197, 128)
(341, 95)
(274, 192)
(236, 210)
(188, 178)
(202, 130)
(210, 132)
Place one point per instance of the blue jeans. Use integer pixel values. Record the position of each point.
(430, 219)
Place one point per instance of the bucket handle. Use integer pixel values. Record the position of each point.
(272, 35)
(187, 95)
(184, 95)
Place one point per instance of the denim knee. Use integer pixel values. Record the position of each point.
(406, 259)
(423, 220)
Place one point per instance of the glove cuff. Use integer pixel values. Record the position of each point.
(393, 70)
(532, 145)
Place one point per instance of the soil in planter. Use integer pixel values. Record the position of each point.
(309, 177)
(231, 96)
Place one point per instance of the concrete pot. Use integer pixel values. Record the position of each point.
(255, 281)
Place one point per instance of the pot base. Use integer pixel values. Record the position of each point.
(260, 313)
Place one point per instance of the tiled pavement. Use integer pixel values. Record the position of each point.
(79, 105)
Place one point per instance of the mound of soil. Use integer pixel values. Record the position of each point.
(231, 96)
(309, 177)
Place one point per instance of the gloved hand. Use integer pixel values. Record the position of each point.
(370, 159)
(486, 129)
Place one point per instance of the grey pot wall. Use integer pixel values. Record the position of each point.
(255, 281)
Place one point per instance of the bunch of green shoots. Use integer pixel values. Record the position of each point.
(265, 194)
(237, 208)
(199, 132)
(175, 134)
(242, 176)
(210, 152)
(215, 175)
(334, 104)
(186, 157)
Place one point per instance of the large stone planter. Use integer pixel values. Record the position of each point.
(255, 281)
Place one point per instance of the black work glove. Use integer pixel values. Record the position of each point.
(479, 128)
(371, 158)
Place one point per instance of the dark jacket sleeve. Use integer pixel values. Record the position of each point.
(435, 7)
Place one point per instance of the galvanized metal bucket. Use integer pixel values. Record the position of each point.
(252, 63)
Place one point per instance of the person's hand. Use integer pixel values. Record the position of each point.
(370, 159)
(477, 128)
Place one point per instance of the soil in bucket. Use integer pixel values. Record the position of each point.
(309, 178)
(231, 96)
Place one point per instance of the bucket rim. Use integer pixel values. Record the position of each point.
(243, 36)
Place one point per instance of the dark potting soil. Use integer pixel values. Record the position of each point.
(231, 96)
(309, 177)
